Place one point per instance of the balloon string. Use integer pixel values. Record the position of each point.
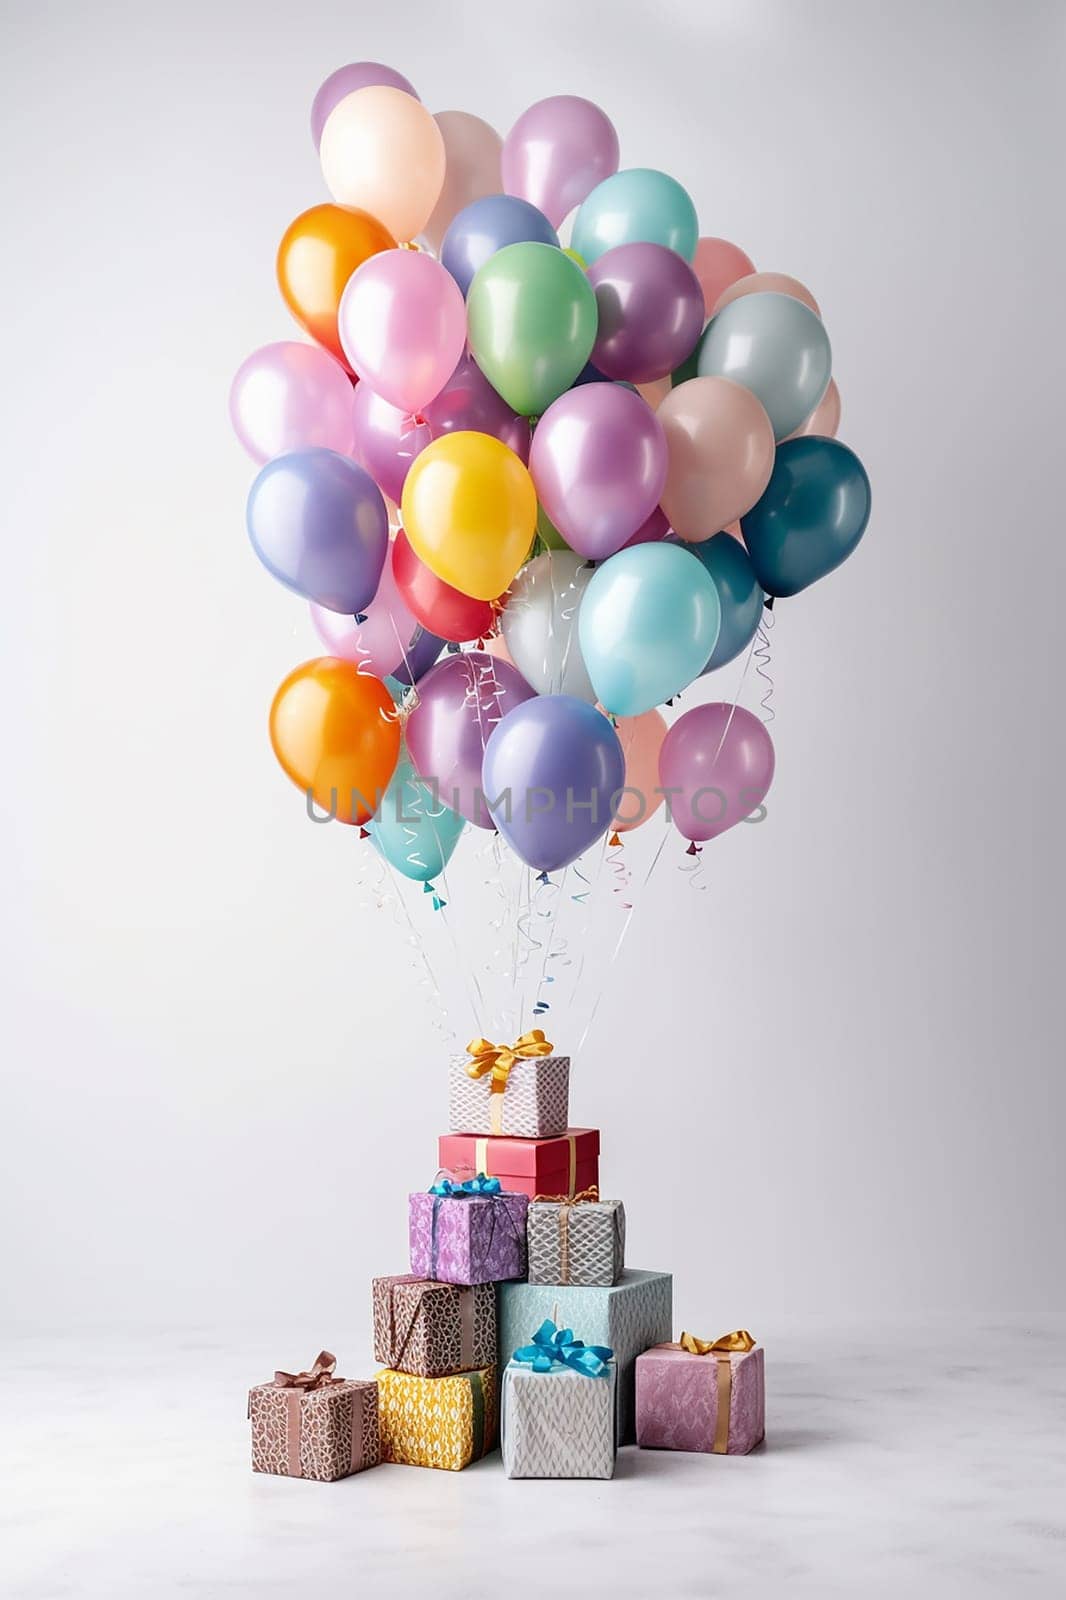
(394, 902)
(764, 662)
(551, 894)
(618, 945)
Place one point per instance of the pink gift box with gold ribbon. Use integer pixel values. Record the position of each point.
(699, 1395)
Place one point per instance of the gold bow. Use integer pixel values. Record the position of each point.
(318, 1377)
(737, 1343)
(500, 1058)
(589, 1196)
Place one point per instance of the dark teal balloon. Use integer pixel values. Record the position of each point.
(691, 367)
(739, 595)
(812, 515)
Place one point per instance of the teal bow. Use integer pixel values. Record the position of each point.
(447, 1189)
(553, 1345)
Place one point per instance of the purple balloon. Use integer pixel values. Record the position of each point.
(460, 701)
(318, 523)
(718, 761)
(598, 462)
(469, 404)
(386, 439)
(650, 307)
(422, 652)
(557, 152)
(345, 81)
(487, 225)
(554, 769)
(653, 531)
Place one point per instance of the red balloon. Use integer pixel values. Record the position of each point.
(445, 611)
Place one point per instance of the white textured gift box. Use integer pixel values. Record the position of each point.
(557, 1424)
(534, 1105)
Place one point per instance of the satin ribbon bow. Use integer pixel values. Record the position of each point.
(587, 1197)
(500, 1058)
(448, 1189)
(319, 1376)
(552, 1345)
(738, 1342)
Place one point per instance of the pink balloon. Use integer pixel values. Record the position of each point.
(767, 283)
(345, 81)
(469, 404)
(717, 264)
(379, 642)
(720, 447)
(402, 325)
(557, 152)
(719, 762)
(291, 396)
(824, 420)
(386, 440)
(471, 171)
(734, 531)
(641, 739)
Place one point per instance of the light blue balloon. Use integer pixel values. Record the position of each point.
(414, 834)
(638, 205)
(776, 347)
(739, 595)
(648, 623)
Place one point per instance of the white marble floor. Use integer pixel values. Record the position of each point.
(917, 1461)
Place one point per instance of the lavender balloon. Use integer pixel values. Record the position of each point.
(469, 404)
(422, 652)
(599, 463)
(487, 225)
(460, 701)
(553, 769)
(557, 152)
(318, 523)
(718, 762)
(347, 80)
(650, 307)
(291, 396)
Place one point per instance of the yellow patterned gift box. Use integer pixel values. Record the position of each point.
(437, 1422)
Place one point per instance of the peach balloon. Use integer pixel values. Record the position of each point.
(641, 739)
(471, 170)
(717, 264)
(767, 283)
(720, 446)
(824, 420)
(383, 152)
(734, 531)
(497, 646)
(654, 393)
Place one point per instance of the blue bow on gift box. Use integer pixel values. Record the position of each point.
(448, 1189)
(552, 1346)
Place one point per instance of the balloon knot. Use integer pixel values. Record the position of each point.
(614, 841)
(438, 903)
(454, 648)
(364, 833)
(693, 849)
(543, 878)
(360, 617)
(769, 602)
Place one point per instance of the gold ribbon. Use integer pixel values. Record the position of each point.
(498, 1059)
(482, 1158)
(739, 1342)
(589, 1196)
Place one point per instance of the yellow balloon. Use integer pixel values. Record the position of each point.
(470, 512)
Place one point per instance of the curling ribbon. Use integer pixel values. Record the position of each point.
(739, 1342)
(552, 1345)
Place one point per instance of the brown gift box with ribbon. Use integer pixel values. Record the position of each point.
(580, 1240)
(314, 1425)
(520, 1090)
(433, 1329)
(525, 1166)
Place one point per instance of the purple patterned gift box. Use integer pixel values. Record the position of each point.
(468, 1233)
(698, 1395)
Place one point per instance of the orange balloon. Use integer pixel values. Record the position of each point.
(316, 257)
(336, 733)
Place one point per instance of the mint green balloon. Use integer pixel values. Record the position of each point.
(531, 316)
(414, 834)
(638, 205)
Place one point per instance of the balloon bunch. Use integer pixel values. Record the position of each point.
(579, 470)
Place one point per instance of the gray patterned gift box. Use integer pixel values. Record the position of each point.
(580, 1241)
(532, 1103)
(557, 1424)
(630, 1317)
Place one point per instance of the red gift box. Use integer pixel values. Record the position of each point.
(526, 1166)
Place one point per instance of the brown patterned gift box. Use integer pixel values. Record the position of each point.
(313, 1425)
(520, 1090)
(433, 1329)
(582, 1240)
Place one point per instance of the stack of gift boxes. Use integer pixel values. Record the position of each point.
(518, 1319)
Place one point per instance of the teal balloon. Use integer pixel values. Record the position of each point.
(812, 514)
(414, 834)
(776, 347)
(638, 205)
(647, 626)
(739, 595)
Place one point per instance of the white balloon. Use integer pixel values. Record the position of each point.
(539, 624)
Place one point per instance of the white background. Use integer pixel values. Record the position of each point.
(828, 1084)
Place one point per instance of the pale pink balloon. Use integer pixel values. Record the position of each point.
(497, 646)
(720, 448)
(717, 264)
(382, 152)
(386, 439)
(291, 396)
(377, 643)
(472, 169)
(734, 531)
(767, 283)
(641, 739)
(402, 325)
(824, 420)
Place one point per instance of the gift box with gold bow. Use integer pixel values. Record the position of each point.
(526, 1166)
(702, 1394)
(437, 1422)
(314, 1425)
(578, 1239)
(433, 1329)
(520, 1089)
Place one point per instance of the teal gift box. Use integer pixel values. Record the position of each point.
(630, 1316)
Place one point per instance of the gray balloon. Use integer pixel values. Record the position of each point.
(539, 624)
(776, 347)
